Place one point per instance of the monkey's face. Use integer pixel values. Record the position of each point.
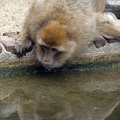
(53, 46)
(49, 57)
(52, 57)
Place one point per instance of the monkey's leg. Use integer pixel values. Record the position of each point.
(23, 44)
(105, 26)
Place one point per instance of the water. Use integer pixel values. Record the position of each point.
(93, 95)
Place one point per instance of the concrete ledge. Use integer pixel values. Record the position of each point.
(83, 64)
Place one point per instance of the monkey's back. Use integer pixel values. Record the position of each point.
(77, 15)
(82, 23)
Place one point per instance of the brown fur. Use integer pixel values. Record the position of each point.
(54, 34)
(63, 25)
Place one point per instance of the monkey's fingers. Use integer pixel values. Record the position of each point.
(20, 49)
(29, 49)
(19, 55)
(26, 50)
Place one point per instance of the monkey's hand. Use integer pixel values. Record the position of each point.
(22, 46)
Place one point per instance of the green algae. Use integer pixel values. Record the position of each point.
(75, 65)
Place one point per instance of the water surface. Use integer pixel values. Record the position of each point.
(91, 95)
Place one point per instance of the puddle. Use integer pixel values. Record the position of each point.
(93, 95)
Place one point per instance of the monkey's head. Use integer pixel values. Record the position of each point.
(53, 45)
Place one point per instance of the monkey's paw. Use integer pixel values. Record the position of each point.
(21, 48)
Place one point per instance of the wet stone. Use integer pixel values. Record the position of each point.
(9, 45)
(99, 42)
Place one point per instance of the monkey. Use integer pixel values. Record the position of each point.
(99, 5)
(61, 30)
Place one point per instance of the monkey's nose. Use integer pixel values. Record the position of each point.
(47, 60)
(47, 63)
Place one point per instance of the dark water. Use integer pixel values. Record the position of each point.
(91, 95)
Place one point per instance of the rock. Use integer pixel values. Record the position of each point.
(110, 39)
(113, 6)
(9, 45)
(100, 42)
(11, 34)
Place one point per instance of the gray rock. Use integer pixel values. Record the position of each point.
(113, 6)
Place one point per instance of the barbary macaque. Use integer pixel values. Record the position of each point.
(62, 29)
(99, 5)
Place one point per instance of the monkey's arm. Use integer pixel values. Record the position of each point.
(22, 45)
(23, 42)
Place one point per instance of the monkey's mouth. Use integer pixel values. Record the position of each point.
(48, 67)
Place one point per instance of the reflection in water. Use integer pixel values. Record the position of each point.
(61, 96)
(115, 114)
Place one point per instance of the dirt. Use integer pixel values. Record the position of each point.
(12, 13)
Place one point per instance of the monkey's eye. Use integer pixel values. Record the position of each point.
(54, 50)
(44, 48)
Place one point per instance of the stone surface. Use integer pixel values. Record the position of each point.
(113, 6)
(9, 45)
(11, 34)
